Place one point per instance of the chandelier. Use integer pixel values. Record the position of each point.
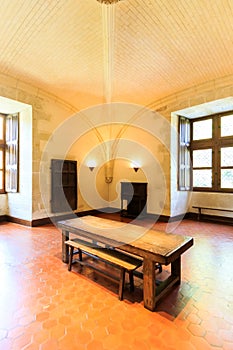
(108, 2)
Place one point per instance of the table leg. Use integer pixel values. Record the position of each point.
(152, 293)
(65, 248)
(149, 284)
(176, 269)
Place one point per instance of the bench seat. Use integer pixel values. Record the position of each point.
(210, 208)
(120, 260)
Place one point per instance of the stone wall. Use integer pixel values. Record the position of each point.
(48, 113)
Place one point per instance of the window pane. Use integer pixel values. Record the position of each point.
(1, 180)
(1, 127)
(11, 153)
(227, 178)
(202, 129)
(202, 158)
(1, 159)
(184, 155)
(227, 125)
(227, 156)
(202, 178)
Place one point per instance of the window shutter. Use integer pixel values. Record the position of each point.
(12, 138)
(2, 153)
(184, 176)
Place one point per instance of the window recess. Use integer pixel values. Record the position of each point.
(212, 153)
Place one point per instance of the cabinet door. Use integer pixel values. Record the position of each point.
(135, 193)
(63, 185)
(140, 189)
(127, 190)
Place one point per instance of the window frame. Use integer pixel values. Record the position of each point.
(215, 143)
(3, 148)
(10, 147)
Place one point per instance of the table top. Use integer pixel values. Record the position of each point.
(148, 243)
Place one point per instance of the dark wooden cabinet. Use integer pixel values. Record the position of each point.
(63, 185)
(135, 195)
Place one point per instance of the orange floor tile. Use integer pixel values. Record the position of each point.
(43, 306)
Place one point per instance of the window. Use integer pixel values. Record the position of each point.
(211, 151)
(8, 153)
(209, 143)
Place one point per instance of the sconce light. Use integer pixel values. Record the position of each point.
(91, 164)
(135, 166)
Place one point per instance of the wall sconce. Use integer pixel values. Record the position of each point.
(135, 166)
(91, 164)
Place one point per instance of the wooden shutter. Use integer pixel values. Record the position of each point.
(2, 153)
(184, 173)
(12, 139)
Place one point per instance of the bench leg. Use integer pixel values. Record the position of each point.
(199, 214)
(70, 258)
(131, 281)
(80, 255)
(65, 248)
(158, 266)
(122, 284)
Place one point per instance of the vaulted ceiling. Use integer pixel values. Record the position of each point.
(134, 51)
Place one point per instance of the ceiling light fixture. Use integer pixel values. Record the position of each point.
(108, 2)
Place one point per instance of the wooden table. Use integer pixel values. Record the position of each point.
(153, 246)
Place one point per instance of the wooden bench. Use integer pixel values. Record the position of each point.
(120, 260)
(209, 208)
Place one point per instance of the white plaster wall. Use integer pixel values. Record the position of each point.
(3, 204)
(212, 200)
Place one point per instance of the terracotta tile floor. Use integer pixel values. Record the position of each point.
(43, 306)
